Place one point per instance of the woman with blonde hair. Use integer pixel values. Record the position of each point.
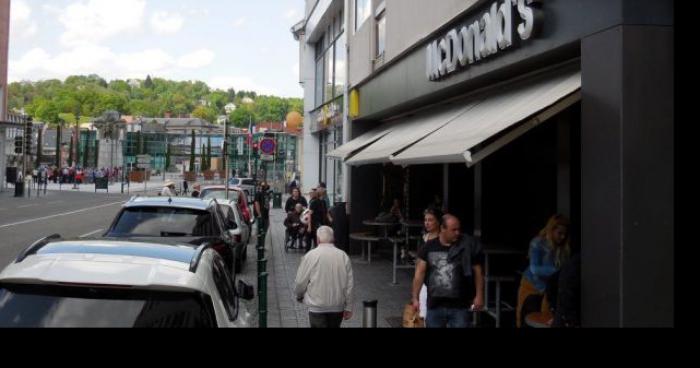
(548, 252)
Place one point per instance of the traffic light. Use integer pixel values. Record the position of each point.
(28, 135)
(19, 142)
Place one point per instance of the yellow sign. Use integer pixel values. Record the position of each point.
(354, 103)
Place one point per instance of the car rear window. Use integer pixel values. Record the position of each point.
(23, 306)
(164, 222)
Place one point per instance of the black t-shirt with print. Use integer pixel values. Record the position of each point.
(447, 285)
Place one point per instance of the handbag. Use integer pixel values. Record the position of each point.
(411, 318)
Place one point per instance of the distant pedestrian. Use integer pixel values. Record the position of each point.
(196, 190)
(262, 205)
(185, 188)
(325, 283)
(169, 190)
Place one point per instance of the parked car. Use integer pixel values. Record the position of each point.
(122, 284)
(246, 184)
(236, 194)
(175, 221)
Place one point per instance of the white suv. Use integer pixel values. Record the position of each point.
(102, 283)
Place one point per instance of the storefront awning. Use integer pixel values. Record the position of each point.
(510, 112)
(409, 131)
(347, 150)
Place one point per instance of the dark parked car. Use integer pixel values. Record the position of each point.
(177, 221)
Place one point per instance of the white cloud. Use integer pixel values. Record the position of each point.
(240, 22)
(241, 83)
(197, 59)
(292, 14)
(38, 64)
(165, 23)
(22, 23)
(92, 21)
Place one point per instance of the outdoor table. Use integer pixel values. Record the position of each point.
(497, 250)
(365, 238)
(385, 225)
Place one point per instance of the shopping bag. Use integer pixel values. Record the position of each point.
(411, 318)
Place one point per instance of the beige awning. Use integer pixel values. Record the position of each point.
(347, 150)
(510, 112)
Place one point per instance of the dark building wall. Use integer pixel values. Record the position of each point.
(403, 84)
(628, 177)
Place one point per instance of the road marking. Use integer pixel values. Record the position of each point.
(60, 214)
(90, 234)
(57, 202)
(27, 206)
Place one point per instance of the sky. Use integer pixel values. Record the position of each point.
(240, 44)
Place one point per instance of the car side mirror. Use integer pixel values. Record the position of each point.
(245, 291)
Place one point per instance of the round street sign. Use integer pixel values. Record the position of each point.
(268, 146)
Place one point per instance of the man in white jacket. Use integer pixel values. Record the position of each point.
(325, 283)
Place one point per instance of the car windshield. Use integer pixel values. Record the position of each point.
(164, 222)
(219, 194)
(73, 307)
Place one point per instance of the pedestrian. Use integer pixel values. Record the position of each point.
(196, 190)
(185, 187)
(325, 283)
(451, 266)
(169, 190)
(548, 251)
(319, 215)
(262, 205)
(295, 199)
(432, 224)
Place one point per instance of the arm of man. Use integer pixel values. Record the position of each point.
(302, 280)
(418, 281)
(258, 212)
(349, 291)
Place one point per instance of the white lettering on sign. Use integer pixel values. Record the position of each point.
(491, 33)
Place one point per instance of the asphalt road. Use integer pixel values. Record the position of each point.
(72, 215)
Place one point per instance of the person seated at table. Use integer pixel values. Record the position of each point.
(295, 228)
(548, 252)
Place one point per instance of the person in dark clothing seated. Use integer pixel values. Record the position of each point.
(295, 199)
(295, 229)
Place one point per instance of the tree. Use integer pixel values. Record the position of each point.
(70, 153)
(192, 151)
(39, 148)
(168, 154)
(203, 157)
(59, 133)
(209, 154)
(86, 154)
(205, 113)
(148, 83)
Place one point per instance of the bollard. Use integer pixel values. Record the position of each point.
(369, 314)
(262, 299)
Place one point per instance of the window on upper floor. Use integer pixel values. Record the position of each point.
(363, 10)
(381, 36)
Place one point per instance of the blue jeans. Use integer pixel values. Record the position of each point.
(448, 318)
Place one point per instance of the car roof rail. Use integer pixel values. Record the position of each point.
(197, 258)
(34, 248)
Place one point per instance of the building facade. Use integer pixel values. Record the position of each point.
(510, 111)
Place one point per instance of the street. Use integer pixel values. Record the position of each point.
(24, 221)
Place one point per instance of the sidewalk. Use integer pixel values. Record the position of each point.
(372, 282)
